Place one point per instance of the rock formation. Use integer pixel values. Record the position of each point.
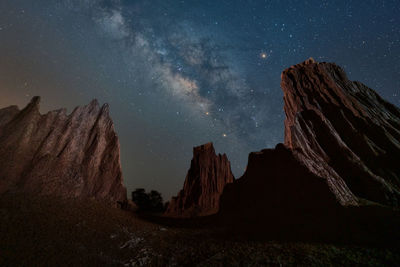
(341, 151)
(74, 155)
(204, 183)
(343, 131)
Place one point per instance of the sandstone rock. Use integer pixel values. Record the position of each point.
(341, 153)
(6, 114)
(343, 131)
(72, 156)
(204, 183)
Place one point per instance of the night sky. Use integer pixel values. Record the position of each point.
(178, 74)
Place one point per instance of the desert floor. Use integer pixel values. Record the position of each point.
(44, 231)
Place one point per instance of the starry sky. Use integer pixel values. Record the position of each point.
(178, 74)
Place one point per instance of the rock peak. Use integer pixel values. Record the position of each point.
(34, 104)
(94, 103)
(310, 61)
(204, 183)
(205, 147)
(35, 100)
(105, 109)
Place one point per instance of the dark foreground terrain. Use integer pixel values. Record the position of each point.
(52, 232)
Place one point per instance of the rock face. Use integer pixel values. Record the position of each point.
(341, 151)
(72, 156)
(344, 131)
(204, 183)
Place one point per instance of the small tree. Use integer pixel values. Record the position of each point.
(141, 199)
(151, 202)
(156, 201)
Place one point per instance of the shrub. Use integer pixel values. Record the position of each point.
(149, 202)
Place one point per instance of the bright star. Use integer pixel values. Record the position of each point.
(224, 135)
(263, 55)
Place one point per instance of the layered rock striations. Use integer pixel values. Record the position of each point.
(204, 183)
(341, 152)
(343, 131)
(72, 156)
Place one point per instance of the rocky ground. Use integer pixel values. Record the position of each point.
(52, 232)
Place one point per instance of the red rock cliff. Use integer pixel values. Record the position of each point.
(74, 155)
(204, 183)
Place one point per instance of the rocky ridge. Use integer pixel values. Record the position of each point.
(72, 156)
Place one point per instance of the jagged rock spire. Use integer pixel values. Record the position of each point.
(204, 183)
(74, 155)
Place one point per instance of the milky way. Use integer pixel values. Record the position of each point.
(182, 73)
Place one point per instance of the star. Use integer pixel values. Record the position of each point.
(263, 55)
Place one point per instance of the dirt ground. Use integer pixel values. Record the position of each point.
(44, 231)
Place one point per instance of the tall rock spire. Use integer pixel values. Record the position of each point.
(204, 183)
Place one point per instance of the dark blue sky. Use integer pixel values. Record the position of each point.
(182, 73)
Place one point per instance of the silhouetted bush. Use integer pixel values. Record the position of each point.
(150, 202)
